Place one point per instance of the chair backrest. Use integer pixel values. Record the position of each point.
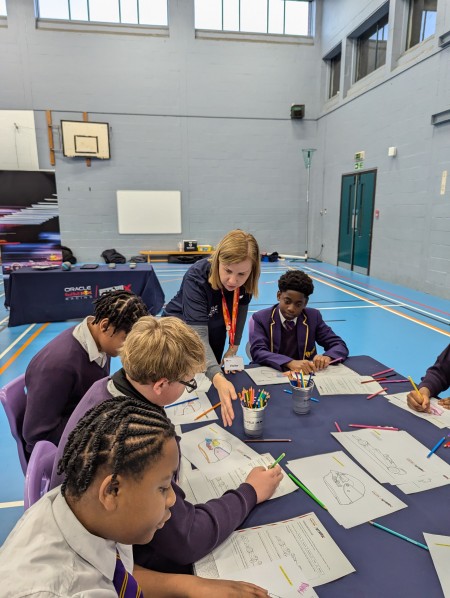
(39, 471)
(14, 401)
(251, 326)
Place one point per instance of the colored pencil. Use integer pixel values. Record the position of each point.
(208, 410)
(391, 531)
(298, 483)
(369, 381)
(377, 393)
(315, 400)
(413, 385)
(287, 390)
(282, 456)
(269, 440)
(382, 372)
(373, 427)
(182, 402)
(336, 360)
(435, 447)
(394, 381)
(337, 427)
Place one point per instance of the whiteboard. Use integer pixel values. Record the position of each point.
(18, 149)
(149, 212)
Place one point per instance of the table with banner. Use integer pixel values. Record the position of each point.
(58, 295)
(384, 564)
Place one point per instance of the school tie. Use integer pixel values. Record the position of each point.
(289, 325)
(125, 584)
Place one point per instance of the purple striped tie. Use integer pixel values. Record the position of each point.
(125, 584)
(289, 325)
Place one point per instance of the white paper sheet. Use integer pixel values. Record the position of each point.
(397, 458)
(303, 539)
(336, 370)
(345, 385)
(282, 579)
(351, 496)
(204, 489)
(439, 417)
(440, 556)
(214, 451)
(185, 413)
(264, 376)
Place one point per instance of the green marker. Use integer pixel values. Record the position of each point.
(305, 489)
(282, 456)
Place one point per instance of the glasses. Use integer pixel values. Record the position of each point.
(190, 384)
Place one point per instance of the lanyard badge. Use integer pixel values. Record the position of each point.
(230, 324)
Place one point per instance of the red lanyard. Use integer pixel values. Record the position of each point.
(230, 325)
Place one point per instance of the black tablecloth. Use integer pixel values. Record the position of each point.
(56, 295)
(386, 566)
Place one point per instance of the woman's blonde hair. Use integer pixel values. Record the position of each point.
(235, 247)
(162, 348)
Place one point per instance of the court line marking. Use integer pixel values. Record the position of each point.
(23, 347)
(19, 338)
(9, 505)
(4, 320)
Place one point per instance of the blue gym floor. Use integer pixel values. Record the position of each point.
(402, 328)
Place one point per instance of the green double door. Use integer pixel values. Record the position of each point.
(356, 220)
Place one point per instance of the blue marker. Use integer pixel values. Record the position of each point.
(435, 447)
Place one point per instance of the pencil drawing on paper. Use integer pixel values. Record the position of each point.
(383, 459)
(215, 449)
(345, 488)
(187, 408)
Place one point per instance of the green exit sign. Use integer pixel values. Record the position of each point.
(359, 165)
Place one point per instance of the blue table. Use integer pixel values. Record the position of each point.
(386, 567)
(58, 295)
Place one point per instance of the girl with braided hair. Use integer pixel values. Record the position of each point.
(61, 372)
(76, 541)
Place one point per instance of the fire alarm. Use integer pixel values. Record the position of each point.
(297, 110)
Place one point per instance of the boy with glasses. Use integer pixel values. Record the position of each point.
(160, 358)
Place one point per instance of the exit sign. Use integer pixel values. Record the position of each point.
(359, 165)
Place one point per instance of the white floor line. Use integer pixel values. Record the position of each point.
(386, 297)
(4, 320)
(252, 311)
(8, 505)
(19, 338)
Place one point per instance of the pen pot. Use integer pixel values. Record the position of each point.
(301, 397)
(253, 421)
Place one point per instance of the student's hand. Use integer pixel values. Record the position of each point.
(230, 352)
(419, 401)
(321, 361)
(445, 403)
(301, 365)
(227, 393)
(264, 481)
(222, 588)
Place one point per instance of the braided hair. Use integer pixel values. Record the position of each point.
(296, 280)
(121, 308)
(122, 434)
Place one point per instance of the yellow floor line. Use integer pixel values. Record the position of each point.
(23, 347)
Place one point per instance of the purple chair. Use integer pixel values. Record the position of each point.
(39, 471)
(14, 400)
(251, 326)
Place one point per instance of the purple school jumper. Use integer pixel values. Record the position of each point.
(311, 329)
(193, 530)
(437, 377)
(56, 380)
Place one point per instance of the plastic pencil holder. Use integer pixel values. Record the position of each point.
(253, 421)
(301, 397)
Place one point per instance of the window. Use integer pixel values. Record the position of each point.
(2, 8)
(422, 21)
(130, 12)
(335, 74)
(371, 48)
(285, 17)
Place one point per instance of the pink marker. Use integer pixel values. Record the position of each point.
(336, 360)
(337, 427)
(382, 372)
(375, 394)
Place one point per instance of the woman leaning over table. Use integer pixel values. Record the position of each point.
(213, 299)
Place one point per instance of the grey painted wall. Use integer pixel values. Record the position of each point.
(211, 117)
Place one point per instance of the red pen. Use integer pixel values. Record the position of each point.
(377, 393)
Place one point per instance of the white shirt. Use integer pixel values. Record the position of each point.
(49, 554)
(283, 320)
(86, 340)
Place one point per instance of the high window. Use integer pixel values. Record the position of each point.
(422, 21)
(130, 12)
(2, 8)
(371, 48)
(286, 17)
(334, 64)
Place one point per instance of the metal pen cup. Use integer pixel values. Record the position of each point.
(301, 397)
(253, 421)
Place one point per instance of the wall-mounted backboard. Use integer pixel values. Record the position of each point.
(85, 139)
(149, 212)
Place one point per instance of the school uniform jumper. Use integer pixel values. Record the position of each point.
(49, 553)
(269, 340)
(56, 379)
(200, 306)
(193, 530)
(437, 377)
